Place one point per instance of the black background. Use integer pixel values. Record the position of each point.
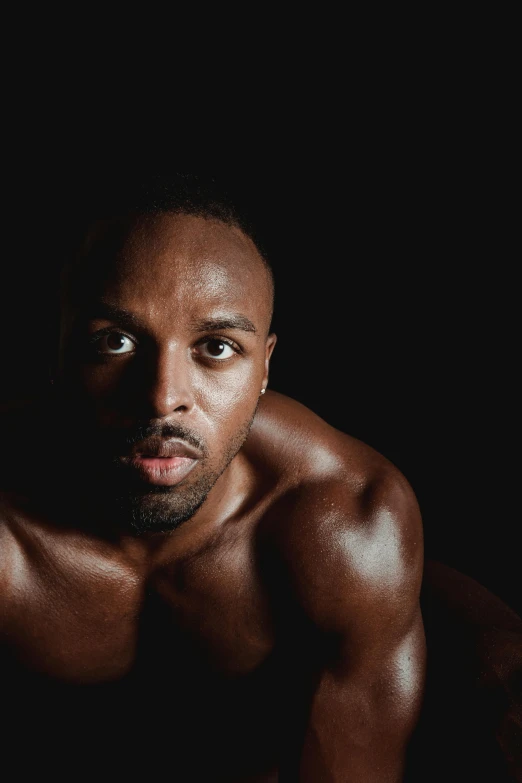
(393, 276)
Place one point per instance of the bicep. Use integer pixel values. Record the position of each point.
(355, 572)
(363, 712)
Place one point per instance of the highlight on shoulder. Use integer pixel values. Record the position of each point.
(345, 516)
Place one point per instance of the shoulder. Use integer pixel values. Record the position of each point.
(19, 421)
(346, 526)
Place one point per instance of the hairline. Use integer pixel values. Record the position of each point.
(228, 220)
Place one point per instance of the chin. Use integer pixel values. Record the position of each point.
(158, 512)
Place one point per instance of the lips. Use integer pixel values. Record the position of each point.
(162, 462)
(158, 448)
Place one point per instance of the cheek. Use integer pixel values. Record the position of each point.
(221, 396)
(228, 395)
(101, 381)
(100, 392)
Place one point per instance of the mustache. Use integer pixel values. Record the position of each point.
(164, 431)
(119, 442)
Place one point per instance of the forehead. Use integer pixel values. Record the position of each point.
(171, 260)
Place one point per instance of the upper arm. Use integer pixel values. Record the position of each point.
(356, 572)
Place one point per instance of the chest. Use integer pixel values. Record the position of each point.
(79, 618)
(180, 670)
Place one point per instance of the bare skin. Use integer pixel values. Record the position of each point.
(275, 634)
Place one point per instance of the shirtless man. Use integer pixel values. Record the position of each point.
(200, 581)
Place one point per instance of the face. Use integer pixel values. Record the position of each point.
(164, 350)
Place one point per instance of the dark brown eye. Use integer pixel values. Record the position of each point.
(217, 349)
(114, 343)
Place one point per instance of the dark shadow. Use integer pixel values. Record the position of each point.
(471, 723)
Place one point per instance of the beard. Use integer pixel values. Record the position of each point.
(110, 492)
(160, 509)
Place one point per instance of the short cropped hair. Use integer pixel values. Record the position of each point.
(179, 193)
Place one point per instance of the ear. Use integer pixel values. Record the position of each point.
(270, 345)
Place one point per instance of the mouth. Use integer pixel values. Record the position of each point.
(162, 463)
(162, 471)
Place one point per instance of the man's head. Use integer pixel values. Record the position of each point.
(164, 350)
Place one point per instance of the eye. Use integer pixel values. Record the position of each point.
(114, 343)
(216, 349)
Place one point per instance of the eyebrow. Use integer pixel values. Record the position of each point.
(102, 309)
(236, 321)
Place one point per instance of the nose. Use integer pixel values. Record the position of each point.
(167, 383)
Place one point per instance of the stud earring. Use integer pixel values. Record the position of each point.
(263, 391)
